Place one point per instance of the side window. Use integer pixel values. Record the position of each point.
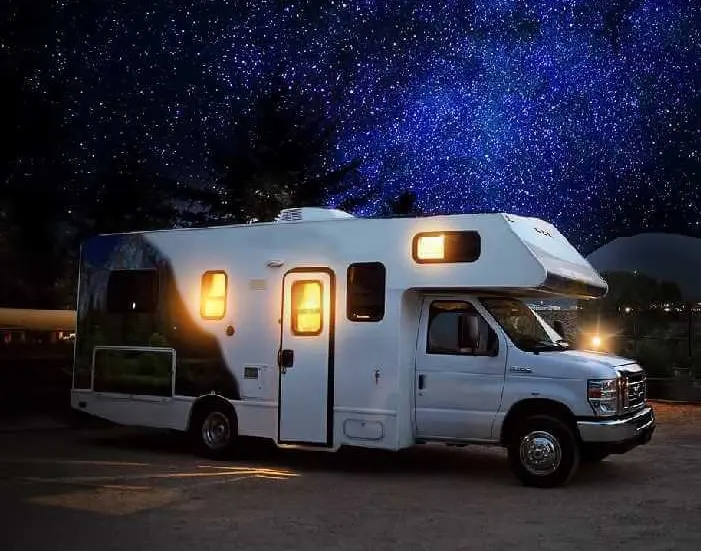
(307, 308)
(457, 328)
(365, 300)
(447, 247)
(213, 297)
(134, 291)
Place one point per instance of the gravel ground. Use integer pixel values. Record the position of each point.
(123, 488)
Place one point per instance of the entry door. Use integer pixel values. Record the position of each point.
(305, 357)
(460, 370)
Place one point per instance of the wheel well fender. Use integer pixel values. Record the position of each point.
(536, 406)
(206, 403)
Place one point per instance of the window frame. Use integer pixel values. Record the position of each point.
(205, 275)
(350, 295)
(447, 237)
(470, 308)
(294, 311)
(155, 291)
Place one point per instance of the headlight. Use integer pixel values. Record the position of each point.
(602, 395)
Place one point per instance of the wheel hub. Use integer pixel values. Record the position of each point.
(216, 430)
(540, 453)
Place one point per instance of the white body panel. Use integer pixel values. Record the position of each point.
(356, 381)
(558, 376)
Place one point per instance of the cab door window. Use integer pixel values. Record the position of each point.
(457, 328)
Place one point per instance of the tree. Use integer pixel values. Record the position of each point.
(635, 291)
(278, 155)
(35, 219)
(33, 177)
(634, 304)
(403, 205)
(125, 195)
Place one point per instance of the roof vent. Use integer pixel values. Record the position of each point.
(306, 214)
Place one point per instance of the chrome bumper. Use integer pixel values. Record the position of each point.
(640, 425)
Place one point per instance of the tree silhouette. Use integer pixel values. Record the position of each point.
(125, 195)
(633, 290)
(276, 156)
(402, 205)
(33, 176)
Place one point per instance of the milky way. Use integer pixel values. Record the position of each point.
(582, 112)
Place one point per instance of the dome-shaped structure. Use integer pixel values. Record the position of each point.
(668, 257)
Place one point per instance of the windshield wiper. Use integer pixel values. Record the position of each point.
(538, 345)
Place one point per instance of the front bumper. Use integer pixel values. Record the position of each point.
(635, 430)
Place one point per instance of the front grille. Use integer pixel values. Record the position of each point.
(633, 390)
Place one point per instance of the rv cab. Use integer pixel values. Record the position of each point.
(321, 330)
(475, 355)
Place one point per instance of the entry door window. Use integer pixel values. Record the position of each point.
(457, 328)
(306, 311)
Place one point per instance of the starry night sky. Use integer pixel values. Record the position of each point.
(582, 112)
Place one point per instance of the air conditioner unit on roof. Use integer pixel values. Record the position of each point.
(306, 214)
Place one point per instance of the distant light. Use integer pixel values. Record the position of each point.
(596, 341)
(627, 309)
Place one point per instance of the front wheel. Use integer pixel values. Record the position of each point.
(543, 452)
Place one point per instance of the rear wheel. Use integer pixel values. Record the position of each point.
(543, 452)
(214, 430)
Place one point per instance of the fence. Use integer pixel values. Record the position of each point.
(663, 343)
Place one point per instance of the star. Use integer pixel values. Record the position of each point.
(584, 113)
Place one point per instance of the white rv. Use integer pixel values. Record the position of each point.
(322, 330)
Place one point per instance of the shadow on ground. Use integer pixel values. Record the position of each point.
(470, 462)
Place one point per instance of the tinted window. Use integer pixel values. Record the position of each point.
(143, 372)
(366, 291)
(455, 327)
(132, 291)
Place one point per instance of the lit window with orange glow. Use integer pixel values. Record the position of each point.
(306, 307)
(430, 247)
(213, 299)
(447, 247)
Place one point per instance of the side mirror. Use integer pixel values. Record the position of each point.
(468, 331)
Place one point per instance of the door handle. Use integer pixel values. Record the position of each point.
(422, 382)
(285, 359)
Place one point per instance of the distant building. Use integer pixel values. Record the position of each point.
(27, 326)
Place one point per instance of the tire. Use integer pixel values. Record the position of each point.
(592, 454)
(557, 446)
(214, 431)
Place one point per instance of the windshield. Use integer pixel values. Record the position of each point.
(525, 328)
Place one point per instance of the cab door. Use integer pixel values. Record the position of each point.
(460, 371)
(305, 358)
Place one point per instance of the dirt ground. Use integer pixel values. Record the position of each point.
(129, 489)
